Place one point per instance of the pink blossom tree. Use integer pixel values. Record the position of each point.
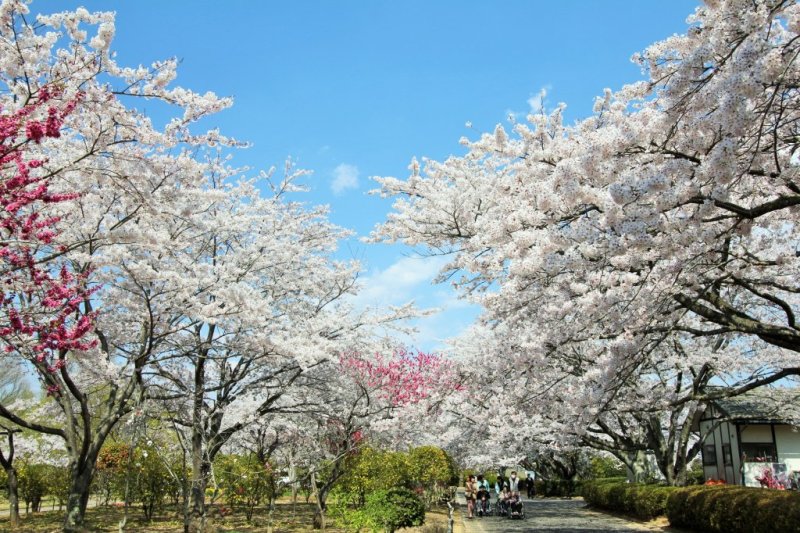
(40, 300)
(360, 397)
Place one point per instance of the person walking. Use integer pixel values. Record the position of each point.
(531, 480)
(470, 493)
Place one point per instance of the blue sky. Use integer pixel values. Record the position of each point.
(352, 89)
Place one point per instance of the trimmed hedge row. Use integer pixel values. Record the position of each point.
(616, 494)
(552, 488)
(732, 509)
(726, 508)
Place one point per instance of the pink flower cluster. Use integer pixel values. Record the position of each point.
(40, 304)
(405, 377)
(768, 480)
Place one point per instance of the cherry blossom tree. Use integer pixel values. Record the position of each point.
(665, 218)
(133, 192)
(197, 290)
(272, 311)
(522, 411)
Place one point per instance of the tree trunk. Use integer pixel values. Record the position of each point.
(319, 512)
(12, 481)
(293, 478)
(78, 497)
(197, 515)
(13, 496)
(185, 496)
(638, 466)
(200, 466)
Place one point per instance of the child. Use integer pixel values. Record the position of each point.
(483, 496)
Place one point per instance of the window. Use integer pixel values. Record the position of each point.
(761, 452)
(727, 457)
(709, 455)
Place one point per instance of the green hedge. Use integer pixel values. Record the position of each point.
(616, 494)
(558, 488)
(702, 508)
(732, 509)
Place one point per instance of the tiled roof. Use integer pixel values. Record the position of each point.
(767, 405)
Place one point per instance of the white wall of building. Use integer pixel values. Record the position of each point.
(788, 442)
(756, 433)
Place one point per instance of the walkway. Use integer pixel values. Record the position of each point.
(552, 515)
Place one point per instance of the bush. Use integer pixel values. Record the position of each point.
(558, 488)
(372, 470)
(695, 474)
(392, 509)
(616, 494)
(605, 467)
(33, 484)
(246, 481)
(151, 482)
(383, 510)
(432, 471)
(734, 508)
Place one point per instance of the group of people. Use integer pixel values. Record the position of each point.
(478, 493)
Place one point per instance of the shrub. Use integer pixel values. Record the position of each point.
(734, 508)
(151, 482)
(392, 509)
(615, 494)
(246, 481)
(431, 470)
(558, 488)
(372, 470)
(605, 467)
(33, 484)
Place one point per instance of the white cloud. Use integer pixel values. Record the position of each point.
(410, 278)
(536, 104)
(402, 281)
(345, 176)
(537, 101)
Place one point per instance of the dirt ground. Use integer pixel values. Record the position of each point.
(287, 518)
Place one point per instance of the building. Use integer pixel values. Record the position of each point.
(746, 435)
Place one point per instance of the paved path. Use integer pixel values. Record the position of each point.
(552, 515)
